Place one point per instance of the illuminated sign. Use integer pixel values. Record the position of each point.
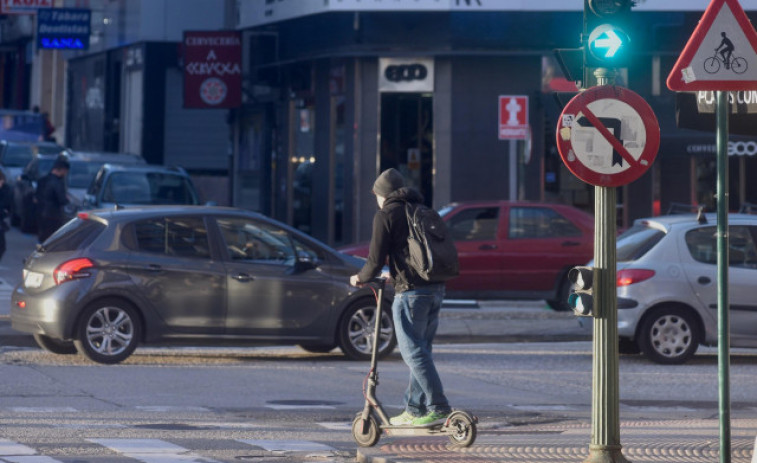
(64, 28)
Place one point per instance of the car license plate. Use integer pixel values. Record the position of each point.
(33, 280)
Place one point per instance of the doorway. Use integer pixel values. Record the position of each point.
(407, 139)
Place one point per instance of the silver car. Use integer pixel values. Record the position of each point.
(667, 285)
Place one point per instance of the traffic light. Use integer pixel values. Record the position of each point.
(581, 300)
(606, 29)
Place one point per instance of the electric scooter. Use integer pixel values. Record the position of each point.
(368, 425)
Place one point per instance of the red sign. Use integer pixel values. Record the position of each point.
(24, 6)
(721, 54)
(212, 69)
(608, 136)
(513, 117)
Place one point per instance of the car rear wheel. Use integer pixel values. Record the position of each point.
(56, 346)
(356, 331)
(560, 304)
(669, 335)
(108, 331)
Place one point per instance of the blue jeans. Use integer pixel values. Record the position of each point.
(416, 317)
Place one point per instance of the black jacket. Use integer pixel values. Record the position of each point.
(389, 239)
(52, 196)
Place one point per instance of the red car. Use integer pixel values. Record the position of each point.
(514, 249)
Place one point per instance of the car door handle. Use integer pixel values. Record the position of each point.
(704, 281)
(242, 277)
(487, 247)
(570, 243)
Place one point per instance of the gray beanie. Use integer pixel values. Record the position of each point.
(389, 181)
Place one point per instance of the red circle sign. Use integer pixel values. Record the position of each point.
(608, 136)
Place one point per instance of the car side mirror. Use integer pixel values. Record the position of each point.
(304, 263)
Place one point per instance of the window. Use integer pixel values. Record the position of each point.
(252, 241)
(742, 252)
(475, 224)
(539, 222)
(76, 234)
(173, 236)
(148, 188)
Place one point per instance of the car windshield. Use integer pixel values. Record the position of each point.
(637, 241)
(149, 188)
(45, 166)
(17, 155)
(82, 172)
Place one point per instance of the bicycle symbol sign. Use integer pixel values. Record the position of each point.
(719, 53)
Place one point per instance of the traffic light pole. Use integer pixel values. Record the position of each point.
(605, 404)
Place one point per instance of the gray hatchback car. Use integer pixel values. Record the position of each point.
(109, 280)
(667, 285)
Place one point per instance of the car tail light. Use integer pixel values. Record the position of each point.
(72, 269)
(83, 215)
(630, 276)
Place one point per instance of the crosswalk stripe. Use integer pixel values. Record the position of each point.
(152, 450)
(13, 452)
(343, 426)
(288, 445)
(8, 447)
(42, 409)
(300, 407)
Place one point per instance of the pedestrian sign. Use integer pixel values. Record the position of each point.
(608, 136)
(721, 53)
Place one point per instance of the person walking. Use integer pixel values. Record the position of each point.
(5, 205)
(416, 305)
(51, 196)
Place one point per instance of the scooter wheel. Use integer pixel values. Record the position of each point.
(461, 430)
(371, 435)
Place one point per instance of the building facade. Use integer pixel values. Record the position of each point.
(338, 91)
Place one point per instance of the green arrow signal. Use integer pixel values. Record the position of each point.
(610, 41)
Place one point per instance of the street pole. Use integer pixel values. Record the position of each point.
(605, 402)
(724, 339)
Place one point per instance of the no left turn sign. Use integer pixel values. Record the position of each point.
(608, 136)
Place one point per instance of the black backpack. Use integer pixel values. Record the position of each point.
(431, 251)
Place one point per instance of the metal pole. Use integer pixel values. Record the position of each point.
(513, 168)
(724, 339)
(605, 404)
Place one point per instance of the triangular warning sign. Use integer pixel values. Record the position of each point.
(721, 53)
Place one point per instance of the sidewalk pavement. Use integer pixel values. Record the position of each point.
(694, 440)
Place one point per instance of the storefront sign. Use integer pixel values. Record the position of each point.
(742, 102)
(696, 110)
(212, 69)
(608, 136)
(406, 74)
(735, 148)
(24, 6)
(513, 117)
(64, 28)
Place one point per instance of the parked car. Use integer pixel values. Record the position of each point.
(14, 156)
(24, 213)
(514, 249)
(139, 185)
(667, 285)
(84, 167)
(111, 279)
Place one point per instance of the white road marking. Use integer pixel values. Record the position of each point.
(288, 445)
(301, 407)
(170, 408)
(152, 450)
(42, 409)
(14, 452)
(345, 426)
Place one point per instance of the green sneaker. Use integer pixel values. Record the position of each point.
(431, 418)
(403, 419)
